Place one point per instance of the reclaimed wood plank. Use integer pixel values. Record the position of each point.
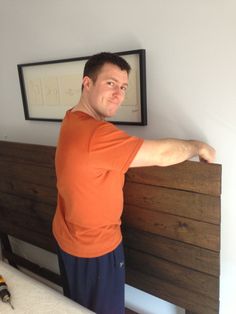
(196, 302)
(187, 204)
(184, 254)
(28, 190)
(27, 172)
(188, 176)
(178, 275)
(21, 152)
(190, 231)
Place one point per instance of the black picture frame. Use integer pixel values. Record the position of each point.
(50, 88)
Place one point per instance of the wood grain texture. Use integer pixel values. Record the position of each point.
(188, 176)
(178, 275)
(172, 233)
(177, 202)
(186, 230)
(195, 302)
(187, 255)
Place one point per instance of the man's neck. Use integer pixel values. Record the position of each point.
(84, 106)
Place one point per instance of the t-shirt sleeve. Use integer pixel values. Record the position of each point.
(112, 149)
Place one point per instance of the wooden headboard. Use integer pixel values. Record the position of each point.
(171, 223)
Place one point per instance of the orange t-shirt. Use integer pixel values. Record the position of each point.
(91, 159)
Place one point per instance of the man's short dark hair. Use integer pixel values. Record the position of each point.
(97, 61)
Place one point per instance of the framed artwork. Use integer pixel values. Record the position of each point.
(50, 88)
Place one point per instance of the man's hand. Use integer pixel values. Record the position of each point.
(206, 153)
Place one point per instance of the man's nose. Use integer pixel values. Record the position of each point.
(118, 91)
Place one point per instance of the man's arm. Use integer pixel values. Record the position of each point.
(166, 152)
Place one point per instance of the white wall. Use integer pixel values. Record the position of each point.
(191, 76)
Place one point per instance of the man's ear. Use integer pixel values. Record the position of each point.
(86, 82)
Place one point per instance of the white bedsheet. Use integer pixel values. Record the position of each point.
(30, 296)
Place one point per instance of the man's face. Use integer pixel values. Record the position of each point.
(106, 94)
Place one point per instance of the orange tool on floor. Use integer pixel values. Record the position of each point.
(4, 292)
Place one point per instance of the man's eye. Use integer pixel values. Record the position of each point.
(124, 88)
(110, 83)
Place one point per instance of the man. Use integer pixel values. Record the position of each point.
(91, 159)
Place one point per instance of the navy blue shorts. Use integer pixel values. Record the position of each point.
(96, 283)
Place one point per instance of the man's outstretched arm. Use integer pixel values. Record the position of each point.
(166, 152)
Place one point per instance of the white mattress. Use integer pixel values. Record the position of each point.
(30, 296)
